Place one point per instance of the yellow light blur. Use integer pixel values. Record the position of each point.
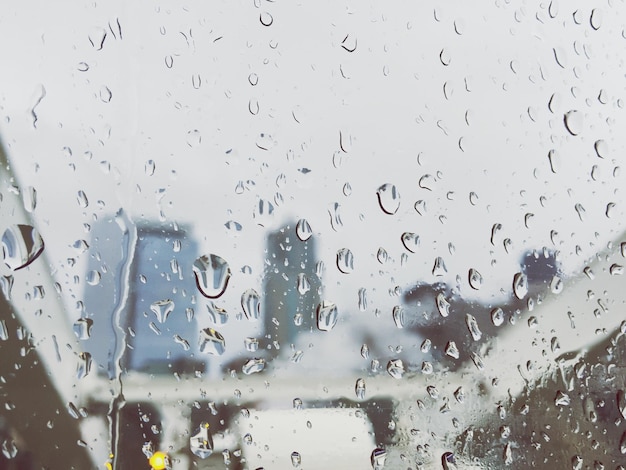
(158, 461)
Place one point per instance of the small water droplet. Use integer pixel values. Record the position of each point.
(327, 315)
(162, 309)
(561, 399)
(444, 57)
(29, 198)
(303, 230)
(378, 458)
(388, 198)
(82, 200)
(212, 274)
(577, 462)
(212, 342)
(9, 449)
(21, 245)
(601, 148)
(201, 443)
(96, 38)
(345, 261)
(105, 94)
(93, 277)
(83, 366)
(194, 138)
(349, 43)
(218, 315)
(150, 167)
(452, 350)
(573, 122)
(335, 217)
(362, 299)
(251, 304)
(169, 61)
(475, 279)
(443, 306)
(560, 56)
(253, 366)
(411, 241)
(395, 368)
(439, 267)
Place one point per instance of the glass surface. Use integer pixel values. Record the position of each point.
(272, 234)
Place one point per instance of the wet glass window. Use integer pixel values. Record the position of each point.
(274, 235)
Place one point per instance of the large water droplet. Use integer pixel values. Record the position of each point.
(21, 245)
(411, 241)
(303, 230)
(359, 389)
(212, 275)
(218, 315)
(201, 443)
(595, 20)
(378, 458)
(573, 122)
(472, 326)
(162, 309)
(251, 304)
(212, 342)
(388, 198)
(253, 366)
(439, 267)
(296, 459)
(345, 261)
(475, 279)
(398, 316)
(452, 350)
(326, 316)
(520, 285)
(395, 368)
(443, 306)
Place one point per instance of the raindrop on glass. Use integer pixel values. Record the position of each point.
(212, 274)
(443, 306)
(201, 443)
(497, 316)
(520, 285)
(595, 20)
(212, 342)
(601, 148)
(29, 198)
(162, 309)
(253, 366)
(573, 122)
(303, 230)
(475, 279)
(359, 389)
(21, 245)
(472, 326)
(251, 304)
(395, 368)
(388, 198)
(439, 267)
(345, 261)
(326, 316)
(398, 316)
(452, 350)
(266, 19)
(411, 241)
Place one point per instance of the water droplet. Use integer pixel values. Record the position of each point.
(560, 56)
(520, 285)
(251, 304)
(577, 462)
(97, 37)
(561, 399)
(473, 198)
(150, 167)
(452, 350)
(265, 141)
(6, 286)
(253, 79)
(439, 267)
(621, 403)
(21, 245)
(382, 255)
(194, 138)
(603, 96)
(553, 9)
(326, 316)
(411, 241)
(362, 299)
(162, 309)
(443, 306)
(212, 275)
(212, 342)
(595, 20)
(508, 454)
(82, 200)
(93, 277)
(555, 160)
(426, 345)
(378, 458)
(395, 368)
(349, 43)
(616, 269)
(345, 261)
(9, 450)
(622, 444)
(573, 122)
(263, 212)
(359, 389)
(82, 328)
(266, 19)
(475, 279)
(388, 198)
(84, 365)
(169, 61)
(497, 316)
(398, 316)
(29, 198)
(601, 148)
(201, 443)
(580, 210)
(448, 462)
(426, 182)
(335, 217)
(589, 273)
(303, 230)
(105, 94)
(472, 326)
(233, 227)
(444, 57)
(253, 366)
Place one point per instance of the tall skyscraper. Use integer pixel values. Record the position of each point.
(291, 287)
